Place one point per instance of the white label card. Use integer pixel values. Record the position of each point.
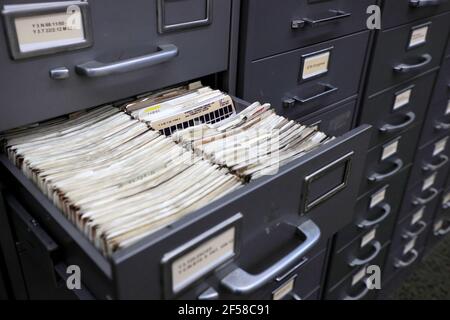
(368, 237)
(389, 150)
(202, 259)
(402, 99)
(417, 216)
(447, 111)
(315, 65)
(440, 146)
(284, 290)
(409, 246)
(377, 197)
(418, 36)
(359, 276)
(428, 182)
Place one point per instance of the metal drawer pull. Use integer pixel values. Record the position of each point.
(410, 118)
(240, 281)
(425, 3)
(360, 295)
(442, 232)
(411, 67)
(295, 296)
(434, 167)
(360, 262)
(413, 234)
(422, 201)
(376, 177)
(403, 264)
(301, 23)
(386, 211)
(328, 90)
(99, 69)
(442, 125)
(446, 205)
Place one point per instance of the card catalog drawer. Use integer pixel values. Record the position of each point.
(397, 12)
(354, 286)
(431, 158)
(407, 51)
(397, 109)
(298, 23)
(400, 262)
(379, 207)
(299, 82)
(437, 123)
(442, 87)
(334, 121)
(388, 159)
(362, 251)
(155, 44)
(270, 230)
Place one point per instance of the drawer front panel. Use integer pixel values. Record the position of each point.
(160, 59)
(413, 49)
(299, 82)
(397, 109)
(442, 87)
(300, 23)
(431, 158)
(437, 123)
(335, 121)
(439, 230)
(377, 208)
(399, 262)
(397, 12)
(387, 160)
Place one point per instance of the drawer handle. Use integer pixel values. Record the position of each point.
(295, 296)
(360, 295)
(376, 177)
(301, 23)
(424, 201)
(386, 211)
(434, 167)
(403, 264)
(328, 90)
(99, 69)
(442, 125)
(410, 118)
(413, 234)
(446, 205)
(240, 281)
(425, 3)
(360, 262)
(426, 59)
(442, 232)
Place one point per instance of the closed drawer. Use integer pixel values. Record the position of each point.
(442, 87)
(407, 51)
(158, 58)
(397, 109)
(378, 207)
(354, 286)
(439, 230)
(431, 158)
(400, 261)
(299, 23)
(334, 121)
(437, 123)
(387, 160)
(363, 250)
(299, 82)
(273, 230)
(424, 193)
(397, 12)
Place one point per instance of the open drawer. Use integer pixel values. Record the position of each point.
(234, 247)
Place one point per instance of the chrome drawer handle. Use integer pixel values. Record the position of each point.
(99, 69)
(328, 90)
(425, 3)
(442, 232)
(301, 23)
(410, 118)
(442, 125)
(434, 167)
(240, 281)
(413, 234)
(426, 59)
(446, 205)
(424, 201)
(386, 211)
(360, 262)
(360, 295)
(403, 264)
(376, 177)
